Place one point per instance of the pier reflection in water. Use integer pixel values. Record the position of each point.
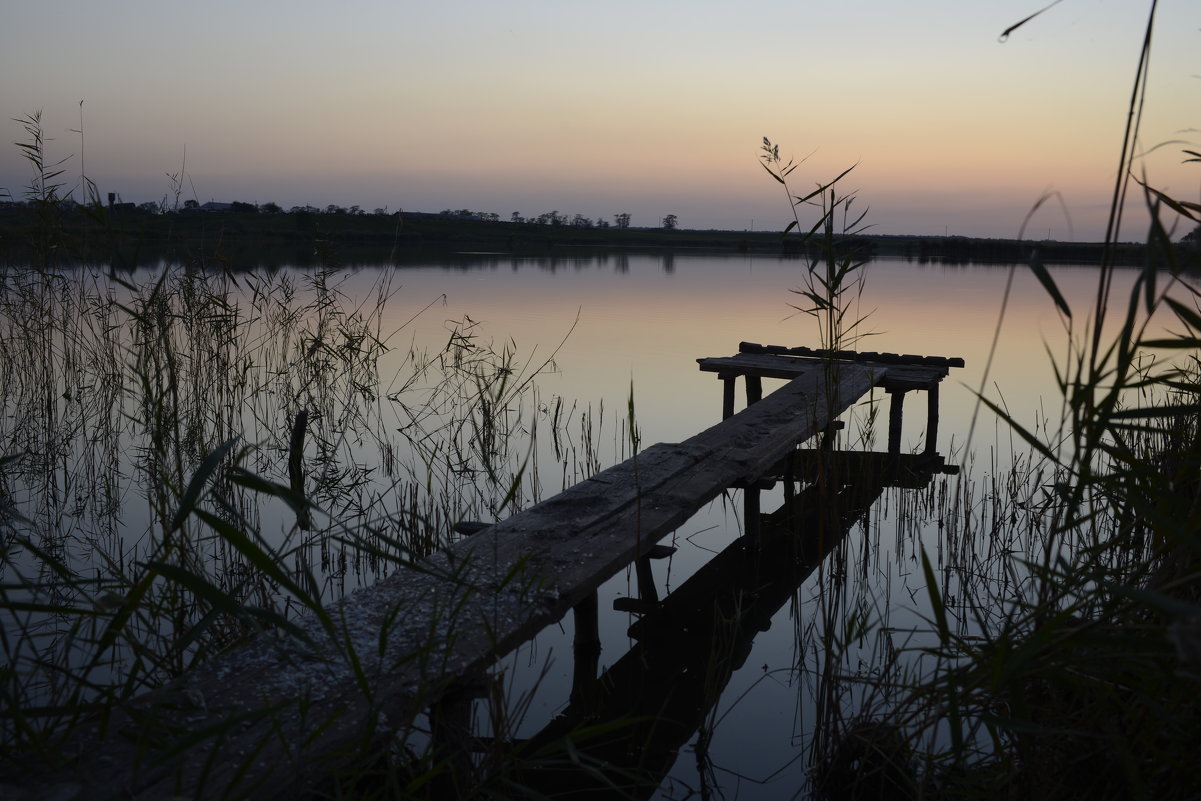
(632, 720)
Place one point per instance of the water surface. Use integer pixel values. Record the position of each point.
(637, 324)
(627, 330)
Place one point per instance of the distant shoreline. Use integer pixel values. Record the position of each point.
(241, 239)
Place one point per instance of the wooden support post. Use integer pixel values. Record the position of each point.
(790, 476)
(754, 389)
(750, 513)
(895, 412)
(727, 395)
(646, 580)
(450, 730)
(586, 649)
(932, 420)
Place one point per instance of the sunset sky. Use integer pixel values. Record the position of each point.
(646, 107)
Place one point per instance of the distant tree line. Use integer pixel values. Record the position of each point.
(621, 220)
(468, 214)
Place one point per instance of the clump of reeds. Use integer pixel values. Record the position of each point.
(159, 501)
(1076, 677)
(833, 282)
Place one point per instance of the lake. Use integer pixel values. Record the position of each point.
(622, 334)
(636, 324)
(643, 321)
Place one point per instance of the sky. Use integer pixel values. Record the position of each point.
(651, 108)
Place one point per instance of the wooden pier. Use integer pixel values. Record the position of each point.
(278, 715)
(896, 374)
(648, 704)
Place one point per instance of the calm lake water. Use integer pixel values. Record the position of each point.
(624, 329)
(643, 321)
(636, 325)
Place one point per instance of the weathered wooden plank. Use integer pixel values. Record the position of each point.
(767, 365)
(851, 355)
(907, 378)
(653, 494)
(278, 714)
(907, 470)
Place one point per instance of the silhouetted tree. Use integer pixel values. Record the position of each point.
(621, 220)
(669, 222)
(468, 214)
(270, 208)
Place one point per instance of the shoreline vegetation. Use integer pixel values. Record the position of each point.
(1058, 648)
(245, 236)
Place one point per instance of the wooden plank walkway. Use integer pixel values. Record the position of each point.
(273, 718)
(646, 705)
(639, 713)
(896, 374)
